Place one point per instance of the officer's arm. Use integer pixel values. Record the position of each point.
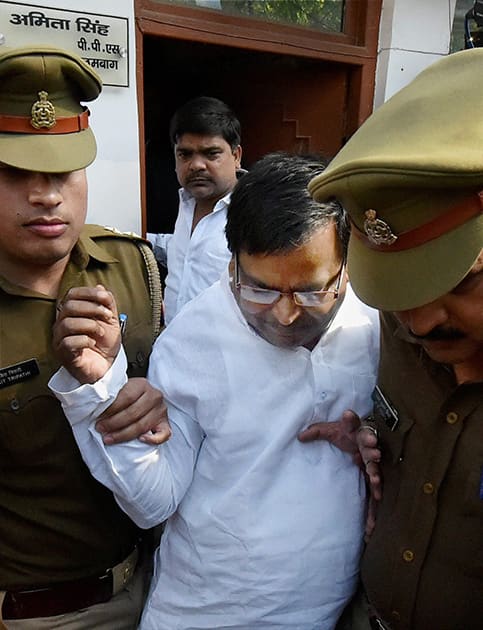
(86, 339)
(341, 433)
(359, 439)
(147, 481)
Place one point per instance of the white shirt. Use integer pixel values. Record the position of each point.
(263, 531)
(194, 260)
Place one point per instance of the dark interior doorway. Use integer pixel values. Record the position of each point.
(284, 102)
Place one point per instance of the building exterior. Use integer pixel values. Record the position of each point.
(294, 87)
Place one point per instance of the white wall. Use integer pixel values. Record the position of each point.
(114, 177)
(413, 34)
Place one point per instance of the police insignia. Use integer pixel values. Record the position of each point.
(116, 231)
(43, 112)
(377, 230)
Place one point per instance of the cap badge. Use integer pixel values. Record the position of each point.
(43, 112)
(377, 230)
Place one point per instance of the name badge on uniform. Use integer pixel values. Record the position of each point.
(385, 409)
(19, 372)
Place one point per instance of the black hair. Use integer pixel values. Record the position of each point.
(271, 210)
(206, 116)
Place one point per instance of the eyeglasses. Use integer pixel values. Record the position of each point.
(269, 297)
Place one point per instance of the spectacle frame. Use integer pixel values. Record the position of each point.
(269, 297)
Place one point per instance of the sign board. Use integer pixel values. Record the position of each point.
(101, 40)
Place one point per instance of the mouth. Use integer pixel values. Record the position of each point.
(282, 335)
(441, 344)
(46, 227)
(199, 181)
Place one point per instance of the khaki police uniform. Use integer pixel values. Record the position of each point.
(423, 565)
(411, 179)
(68, 553)
(58, 523)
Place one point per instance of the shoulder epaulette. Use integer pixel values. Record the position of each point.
(98, 231)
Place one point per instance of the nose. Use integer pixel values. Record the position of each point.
(197, 162)
(286, 311)
(44, 190)
(424, 319)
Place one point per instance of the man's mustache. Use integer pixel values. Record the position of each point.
(440, 334)
(199, 178)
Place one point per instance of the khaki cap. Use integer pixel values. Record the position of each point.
(43, 126)
(413, 171)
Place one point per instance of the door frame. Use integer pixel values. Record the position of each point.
(355, 47)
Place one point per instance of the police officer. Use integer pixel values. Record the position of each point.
(68, 553)
(411, 179)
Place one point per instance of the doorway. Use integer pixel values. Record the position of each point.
(283, 102)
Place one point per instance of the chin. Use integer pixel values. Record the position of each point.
(201, 192)
(450, 353)
(288, 342)
(50, 255)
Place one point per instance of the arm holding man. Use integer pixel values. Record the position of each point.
(360, 440)
(86, 340)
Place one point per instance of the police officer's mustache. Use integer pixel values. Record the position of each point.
(440, 334)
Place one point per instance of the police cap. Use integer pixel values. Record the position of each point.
(410, 178)
(43, 125)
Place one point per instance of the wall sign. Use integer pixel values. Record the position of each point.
(101, 40)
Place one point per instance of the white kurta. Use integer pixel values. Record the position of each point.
(264, 531)
(194, 260)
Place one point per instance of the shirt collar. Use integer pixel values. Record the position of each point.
(187, 198)
(86, 248)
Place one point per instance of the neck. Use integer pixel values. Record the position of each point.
(43, 279)
(310, 345)
(202, 209)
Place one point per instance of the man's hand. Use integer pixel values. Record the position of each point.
(351, 436)
(139, 411)
(87, 337)
(342, 433)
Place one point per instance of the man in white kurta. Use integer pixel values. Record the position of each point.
(195, 258)
(262, 530)
(205, 135)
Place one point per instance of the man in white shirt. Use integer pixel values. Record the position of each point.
(205, 135)
(262, 530)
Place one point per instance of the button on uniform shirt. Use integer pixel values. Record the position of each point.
(423, 566)
(263, 531)
(194, 260)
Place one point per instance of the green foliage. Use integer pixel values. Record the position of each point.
(323, 15)
(318, 14)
